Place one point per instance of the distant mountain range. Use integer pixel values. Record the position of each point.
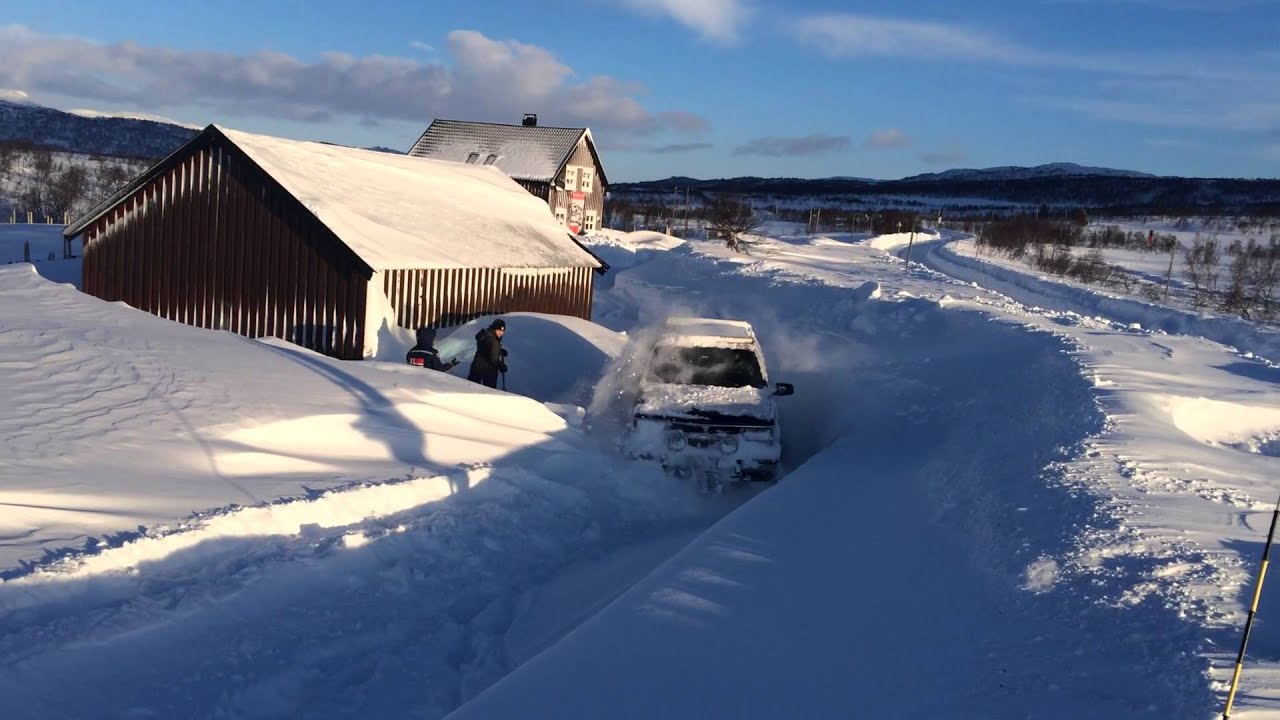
(1055, 184)
(92, 133)
(1012, 172)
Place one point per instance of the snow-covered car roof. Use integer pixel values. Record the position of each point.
(706, 332)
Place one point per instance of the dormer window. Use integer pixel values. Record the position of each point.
(472, 158)
(491, 159)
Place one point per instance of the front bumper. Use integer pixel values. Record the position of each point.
(729, 451)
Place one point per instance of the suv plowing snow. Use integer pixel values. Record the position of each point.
(705, 408)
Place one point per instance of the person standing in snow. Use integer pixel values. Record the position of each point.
(490, 356)
(424, 354)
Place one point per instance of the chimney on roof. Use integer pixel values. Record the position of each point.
(530, 120)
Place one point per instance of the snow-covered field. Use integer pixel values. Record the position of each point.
(1012, 277)
(1000, 505)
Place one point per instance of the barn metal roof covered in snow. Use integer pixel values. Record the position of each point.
(524, 152)
(396, 211)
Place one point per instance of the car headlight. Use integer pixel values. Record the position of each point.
(729, 445)
(762, 436)
(676, 441)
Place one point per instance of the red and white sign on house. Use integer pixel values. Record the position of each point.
(577, 205)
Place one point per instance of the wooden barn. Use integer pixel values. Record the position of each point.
(322, 244)
(558, 165)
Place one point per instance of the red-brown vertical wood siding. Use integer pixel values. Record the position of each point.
(212, 242)
(443, 298)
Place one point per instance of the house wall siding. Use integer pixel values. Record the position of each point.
(594, 200)
(210, 243)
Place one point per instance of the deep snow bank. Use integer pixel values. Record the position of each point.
(117, 420)
(552, 358)
(895, 241)
(43, 241)
(254, 530)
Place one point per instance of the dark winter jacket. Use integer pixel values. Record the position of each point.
(424, 354)
(488, 361)
(429, 358)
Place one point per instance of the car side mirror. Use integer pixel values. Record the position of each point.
(784, 389)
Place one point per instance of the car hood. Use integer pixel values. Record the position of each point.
(705, 403)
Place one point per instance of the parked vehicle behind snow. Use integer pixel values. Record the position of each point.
(705, 407)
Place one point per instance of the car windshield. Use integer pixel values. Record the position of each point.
(722, 367)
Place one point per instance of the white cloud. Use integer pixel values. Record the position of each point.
(889, 138)
(1253, 116)
(485, 79)
(1235, 90)
(421, 46)
(850, 35)
(816, 144)
(847, 35)
(720, 20)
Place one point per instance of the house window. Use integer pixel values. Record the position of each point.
(472, 158)
(571, 179)
(584, 180)
(590, 223)
(561, 215)
(491, 159)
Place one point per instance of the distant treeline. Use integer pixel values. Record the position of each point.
(1100, 194)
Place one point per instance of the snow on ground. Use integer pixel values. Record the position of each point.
(961, 259)
(893, 241)
(991, 522)
(998, 507)
(1186, 464)
(43, 240)
(335, 537)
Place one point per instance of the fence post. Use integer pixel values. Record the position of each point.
(26, 251)
(31, 215)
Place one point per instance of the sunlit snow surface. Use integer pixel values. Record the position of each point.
(998, 506)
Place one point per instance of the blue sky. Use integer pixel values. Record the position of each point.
(711, 88)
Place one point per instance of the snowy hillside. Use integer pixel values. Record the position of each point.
(90, 134)
(57, 184)
(998, 505)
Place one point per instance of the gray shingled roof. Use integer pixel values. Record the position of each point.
(523, 152)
